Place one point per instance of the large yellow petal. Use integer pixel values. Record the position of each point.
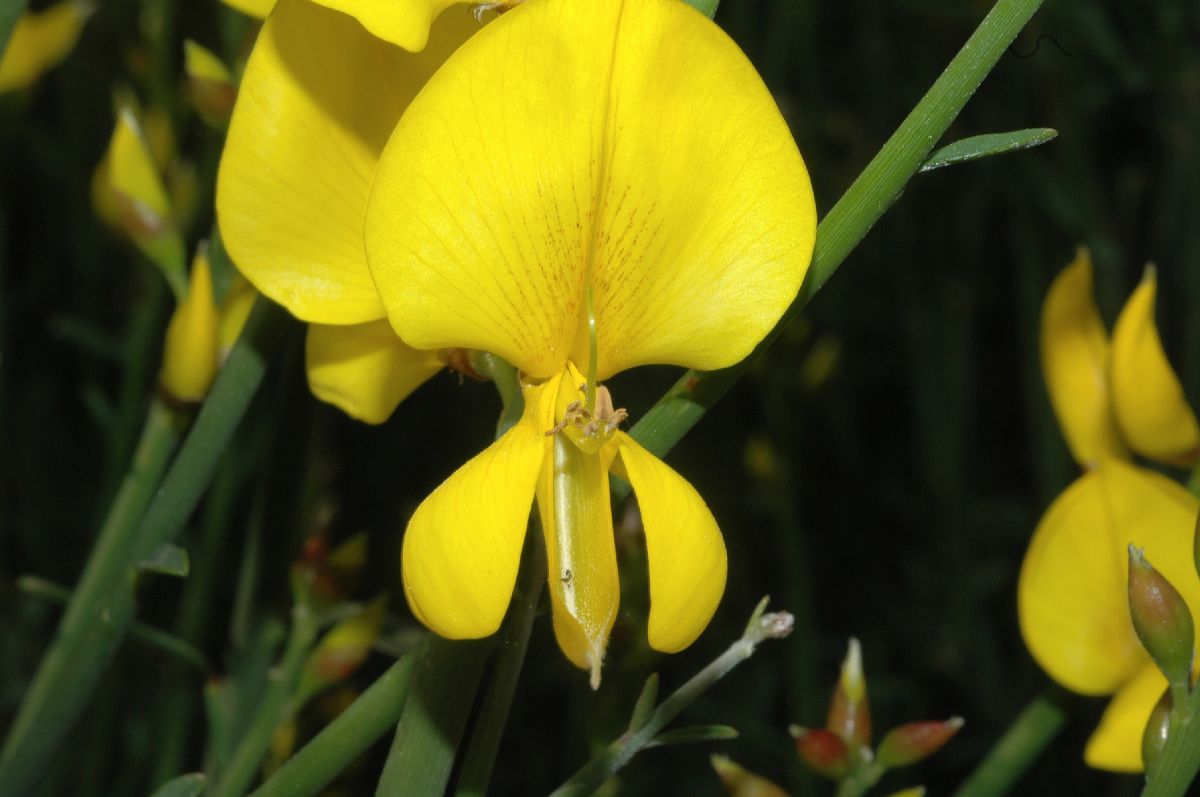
(319, 99)
(1116, 743)
(364, 369)
(463, 544)
(634, 149)
(1075, 360)
(1149, 401)
(684, 546)
(1072, 593)
(40, 41)
(402, 22)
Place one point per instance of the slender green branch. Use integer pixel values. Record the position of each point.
(434, 717)
(485, 739)
(852, 217)
(444, 688)
(508, 385)
(102, 605)
(272, 710)
(57, 693)
(180, 648)
(346, 738)
(592, 774)
(1027, 738)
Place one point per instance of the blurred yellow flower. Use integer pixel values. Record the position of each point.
(40, 41)
(1072, 593)
(1153, 414)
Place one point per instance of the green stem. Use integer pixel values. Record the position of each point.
(592, 774)
(274, 708)
(1026, 739)
(1179, 762)
(508, 385)
(177, 647)
(444, 688)
(434, 717)
(58, 693)
(872, 193)
(346, 738)
(102, 606)
(861, 781)
(180, 690)
(514, 641)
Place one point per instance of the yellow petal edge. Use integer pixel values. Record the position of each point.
(686, 552)
(318, 100)
(463, 544)
(1150, 405)
(1075, 361)
(364, 369)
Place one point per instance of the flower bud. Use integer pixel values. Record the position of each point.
(190, 350)
(210, 85)
(1154, 738)
(915, 791)
(849, 712)
(1161, 619)
(740, 782)
(1150, 406)
(915, 741)
(343, 648)
(140, 200)
(823, 751)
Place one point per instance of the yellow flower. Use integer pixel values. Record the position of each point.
(40, 41)
(1072, 593)
(646, 205)
(581, 188)
(319, 98)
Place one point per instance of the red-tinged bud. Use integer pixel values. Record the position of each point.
(911, 743)
(823, 751)
(849, 711)
(1154, 738)
(1161, 619)
(740, 782)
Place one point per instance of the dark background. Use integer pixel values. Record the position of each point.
(879, 473)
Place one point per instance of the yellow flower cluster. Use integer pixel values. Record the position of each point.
(1113, 399)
